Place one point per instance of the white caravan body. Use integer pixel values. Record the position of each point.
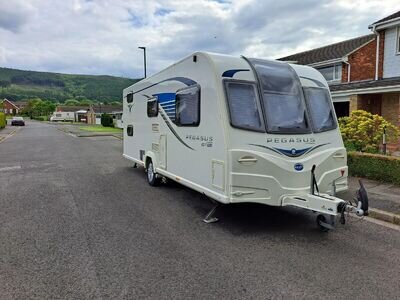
(63, 116)
(239, 130)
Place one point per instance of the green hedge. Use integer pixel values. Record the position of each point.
(374, 166)
(107, 120)
(41, 118)
(3, 120)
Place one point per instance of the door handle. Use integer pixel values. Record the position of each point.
(247, 159)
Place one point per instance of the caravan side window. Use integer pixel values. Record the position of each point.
(129, 130)
(243, 105)
(129, 98)
(152, 108)
(188, 106)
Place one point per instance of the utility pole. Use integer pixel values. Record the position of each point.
(144, 59)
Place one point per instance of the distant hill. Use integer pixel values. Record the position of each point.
(22, 85)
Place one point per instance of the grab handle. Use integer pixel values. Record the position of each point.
(247, 159)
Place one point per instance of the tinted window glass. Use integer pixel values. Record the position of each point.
(188, 107)
(152, 108)
(129, 98)
(282, 97)
(320, 108)
(243, 108)
(129, 130)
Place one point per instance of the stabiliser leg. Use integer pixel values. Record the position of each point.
(209, 218)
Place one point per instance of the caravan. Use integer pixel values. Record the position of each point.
(240, 129)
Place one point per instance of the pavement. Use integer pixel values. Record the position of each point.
(78, 222)
(384, 199)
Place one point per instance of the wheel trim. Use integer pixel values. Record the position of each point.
(150, 172)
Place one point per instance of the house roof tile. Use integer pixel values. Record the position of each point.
(394, 81)
(329, 52)
(388, 18)
(98, 109)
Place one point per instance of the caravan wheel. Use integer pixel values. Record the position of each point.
(152, 177)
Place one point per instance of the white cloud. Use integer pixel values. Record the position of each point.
(102, 36)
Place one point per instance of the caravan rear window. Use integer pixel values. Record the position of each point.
(188, 106)
(243, 105)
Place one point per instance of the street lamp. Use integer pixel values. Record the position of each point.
(144, 58)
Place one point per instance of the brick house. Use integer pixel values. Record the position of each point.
(9, 107)
(363, 72)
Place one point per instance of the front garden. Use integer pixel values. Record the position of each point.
(364, 136)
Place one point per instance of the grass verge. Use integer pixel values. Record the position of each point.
(100, 128)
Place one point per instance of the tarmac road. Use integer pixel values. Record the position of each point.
(78, 222)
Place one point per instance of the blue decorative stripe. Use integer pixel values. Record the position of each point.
(164, 97)
(291, 152)
(168, 105)
(231, 73)
(184, 80)
(173, 130)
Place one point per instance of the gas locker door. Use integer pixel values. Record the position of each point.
(163, 152)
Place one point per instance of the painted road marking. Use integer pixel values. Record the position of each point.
(10, 168)
(9, 135)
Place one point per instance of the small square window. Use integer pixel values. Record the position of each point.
(129, 130)
(129, 98)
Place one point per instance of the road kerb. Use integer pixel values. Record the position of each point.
(2, 139)
(384, 216)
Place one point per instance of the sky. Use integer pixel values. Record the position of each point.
(102, 37)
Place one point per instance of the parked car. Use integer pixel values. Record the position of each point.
(17, 121)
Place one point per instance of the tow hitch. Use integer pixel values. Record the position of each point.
(327, 221)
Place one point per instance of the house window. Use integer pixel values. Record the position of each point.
(398, 41)
(331, 73)
(188, 106)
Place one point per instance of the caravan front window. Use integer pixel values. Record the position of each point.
(283, 101)
(320, 108)
(243, 105)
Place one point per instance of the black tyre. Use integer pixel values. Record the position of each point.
(322, 219)
(152, 177)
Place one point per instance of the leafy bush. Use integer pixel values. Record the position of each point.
(374, 166)
(363, 131)
(3, 121)
(107, 120)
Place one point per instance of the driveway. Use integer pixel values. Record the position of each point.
(78, 222)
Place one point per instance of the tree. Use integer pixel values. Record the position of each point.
(85, 102)
(115, 103)
(363, 131)
(29, 108)
(71, 102)
(37, 107)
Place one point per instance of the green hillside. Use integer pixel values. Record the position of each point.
(24, 85)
